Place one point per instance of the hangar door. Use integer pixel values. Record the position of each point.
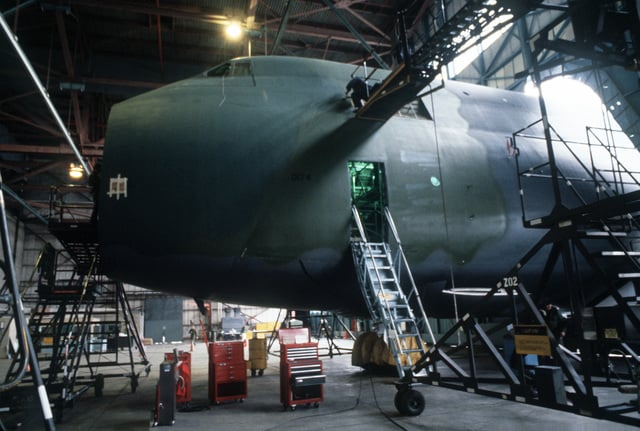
(369, 195)
(163, 319)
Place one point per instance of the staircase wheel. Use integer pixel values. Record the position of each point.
(409, 402)
(397, 400)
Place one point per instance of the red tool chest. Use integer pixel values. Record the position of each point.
(227, 371)
(301, 376)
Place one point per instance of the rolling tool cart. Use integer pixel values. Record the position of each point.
(301, 377)
(227, 371)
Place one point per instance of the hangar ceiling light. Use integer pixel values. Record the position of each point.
(233, 30)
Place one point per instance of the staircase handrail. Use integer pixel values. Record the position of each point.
(613, 156)
(358, 220)
(403, 259)
(595, 175)
(36, 267)
(598, 180)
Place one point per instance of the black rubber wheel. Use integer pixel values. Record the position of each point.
(397, 401)
(99, 385)
(411, 403)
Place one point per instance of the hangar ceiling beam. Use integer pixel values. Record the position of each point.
(66, 54)
(356, 33)
(45, 149)
(368, 23)
(159, 33)
(122, 82)
(250, 13)
(416, 20)
(50, 130)
(493, 65)
(282, 27)
(41, 169)
(305, 30)
(523, 35)
(133, 7)
(6, 189)
(391, 6)
(36, 80)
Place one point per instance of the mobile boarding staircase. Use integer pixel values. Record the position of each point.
(391, 297)
(592, 224)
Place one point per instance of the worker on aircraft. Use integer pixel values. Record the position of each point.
(359, 91)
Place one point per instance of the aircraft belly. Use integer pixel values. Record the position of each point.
(318, 277)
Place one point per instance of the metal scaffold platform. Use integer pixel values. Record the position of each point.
(592, 224)
(81, 324)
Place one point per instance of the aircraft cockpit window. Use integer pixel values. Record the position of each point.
(242, 69)
(222, 70)
(231, 70)
(237, 73)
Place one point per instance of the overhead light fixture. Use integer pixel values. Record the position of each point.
(233, 30)
(75, 171)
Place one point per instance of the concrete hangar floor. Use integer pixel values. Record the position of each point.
(353, 400)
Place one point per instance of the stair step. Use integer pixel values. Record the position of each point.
(408, 331)
(605, 234)
(383, 290)
(407, 335)
(383, 267)
(385, 280)
(620, 253)
(412, 351)
(629, 275)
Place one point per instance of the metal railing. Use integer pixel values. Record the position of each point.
(402, 267)
(70, 203)
(588, 171)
